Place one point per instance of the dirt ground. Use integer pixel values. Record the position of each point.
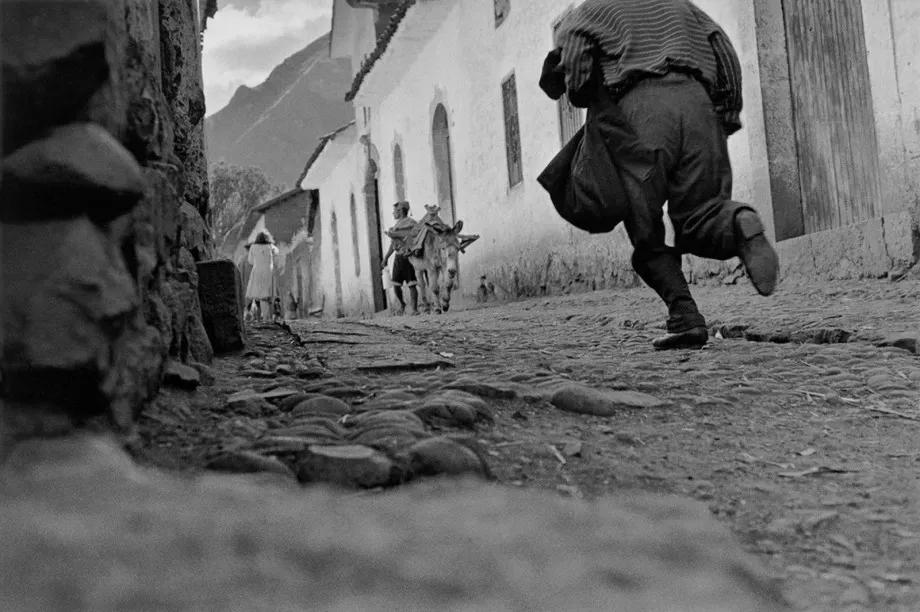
(796, 425)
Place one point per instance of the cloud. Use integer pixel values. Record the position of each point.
(247, 38)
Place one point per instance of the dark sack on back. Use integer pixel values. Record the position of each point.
(583, 182)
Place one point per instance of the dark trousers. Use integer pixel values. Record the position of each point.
(680, 155)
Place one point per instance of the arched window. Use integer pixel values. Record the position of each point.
(399, 173)
(354, 235)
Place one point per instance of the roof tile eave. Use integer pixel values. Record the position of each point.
(323, 141)
(383, 42)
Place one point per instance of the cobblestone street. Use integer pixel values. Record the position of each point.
(797, 425)
(792, 443)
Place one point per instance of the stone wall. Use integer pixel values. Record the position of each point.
(104, 187)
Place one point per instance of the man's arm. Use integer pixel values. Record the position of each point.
(578, 63)
(727, 95)
(386, 258)
(726, 91)
(552, 78)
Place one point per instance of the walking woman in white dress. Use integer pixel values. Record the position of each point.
(262, 258)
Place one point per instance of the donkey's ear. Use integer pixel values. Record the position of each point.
(457, 227)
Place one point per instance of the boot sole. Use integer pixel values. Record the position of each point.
(756, 253)
(696, 341)
(680, 347)
(761, 263)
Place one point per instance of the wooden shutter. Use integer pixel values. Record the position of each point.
(512, 131)
(571, 118)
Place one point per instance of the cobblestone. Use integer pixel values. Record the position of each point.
(85, 528)
(835, 378)
(807, 446)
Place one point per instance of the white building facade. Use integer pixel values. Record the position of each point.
(448, 111)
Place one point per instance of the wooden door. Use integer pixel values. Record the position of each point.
(374, 235)
(832, 112)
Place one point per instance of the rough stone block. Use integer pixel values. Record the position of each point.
(321, 405)
(586, 400)
(221, 304)
(386, 439)
(67, 297)
(77, 169)
(900, 235)
(54, 60)
(796, 258)
(348, 466)
(442, 455)
(194, 234)
(181, 376)
(189, 336)
(139, 355)
(858, 250)
(247, 462)
(157, 216)
(909, 341)
(384, 418)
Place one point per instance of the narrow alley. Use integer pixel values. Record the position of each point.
(220, 219)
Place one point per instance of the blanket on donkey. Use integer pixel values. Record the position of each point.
(409, 235)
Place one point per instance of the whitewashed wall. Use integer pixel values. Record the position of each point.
(897, 101)
(342, 180)
(525, 248)
(524, 244)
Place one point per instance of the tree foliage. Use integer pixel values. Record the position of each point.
(235, 192)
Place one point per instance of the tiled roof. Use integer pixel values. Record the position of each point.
(383, 41)
(277, 200)
(285, 215)
(323, 141)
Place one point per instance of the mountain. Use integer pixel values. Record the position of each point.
(276, 125)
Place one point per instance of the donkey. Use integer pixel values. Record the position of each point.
(436, 267)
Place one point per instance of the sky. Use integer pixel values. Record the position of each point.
(247, 38)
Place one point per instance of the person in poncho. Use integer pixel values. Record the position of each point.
(403, 272)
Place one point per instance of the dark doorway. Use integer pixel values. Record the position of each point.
(314, 292)
(374, 235)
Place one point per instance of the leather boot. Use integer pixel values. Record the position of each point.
(693, 338)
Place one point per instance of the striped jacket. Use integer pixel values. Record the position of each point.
(623, 41)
